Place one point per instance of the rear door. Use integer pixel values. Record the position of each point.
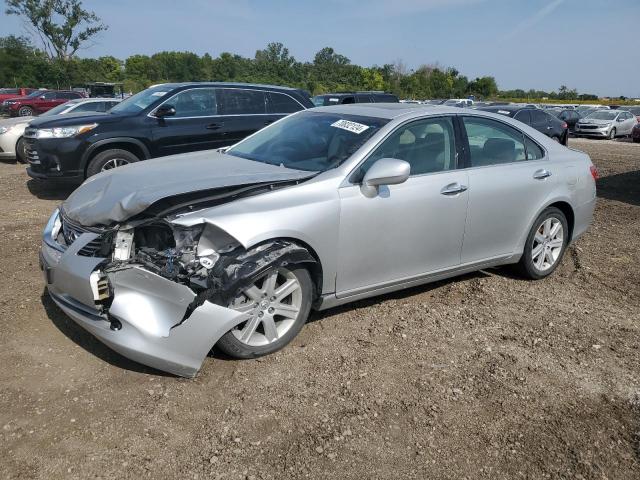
(509, 179)
(542, 122)
(244, 111)
(195, 126)
(280, 105)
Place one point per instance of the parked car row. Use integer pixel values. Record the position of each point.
(37, 102)
(12, 146)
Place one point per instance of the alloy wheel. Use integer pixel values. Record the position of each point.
(114, 163)
(547, 244)
(272, 305)
(25, 112)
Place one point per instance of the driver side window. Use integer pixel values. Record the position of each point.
(427, 145)
(198, 102)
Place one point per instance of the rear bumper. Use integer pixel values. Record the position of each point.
(583, 217)
(145, 321)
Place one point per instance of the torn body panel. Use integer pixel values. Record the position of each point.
(146, 316)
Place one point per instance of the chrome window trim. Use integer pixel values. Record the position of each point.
(151, 113)
(347, 180)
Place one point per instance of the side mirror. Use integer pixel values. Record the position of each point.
(165, 110)
(386, 171)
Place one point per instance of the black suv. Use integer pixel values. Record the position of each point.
(535, 118)
(162, 120)
(353, 97)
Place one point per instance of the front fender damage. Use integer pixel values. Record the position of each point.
(172, 324)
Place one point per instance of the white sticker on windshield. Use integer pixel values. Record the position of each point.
(158, 94)
(336, 100)
(504, 112)
(350, 126)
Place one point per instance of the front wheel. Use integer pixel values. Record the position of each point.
(276, 307)
(25, 112)
(21, 152)
(612, 134)
(545, 244)
(110, 159)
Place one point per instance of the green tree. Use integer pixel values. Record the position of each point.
(61, 39)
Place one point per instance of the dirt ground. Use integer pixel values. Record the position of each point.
(483, 376)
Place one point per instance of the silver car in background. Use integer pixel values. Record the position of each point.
(606, 124)
(12, 129)
(164, 259)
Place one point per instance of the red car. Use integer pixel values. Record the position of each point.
(38, 102)
(6, 93)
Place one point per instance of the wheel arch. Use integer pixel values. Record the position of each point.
(132, 145)
(564, 205)
(315, 269)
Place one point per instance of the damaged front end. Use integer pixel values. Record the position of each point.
(155, 291)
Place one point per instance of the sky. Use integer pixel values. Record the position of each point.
(590, 45)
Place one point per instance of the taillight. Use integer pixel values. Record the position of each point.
(564, 125)
(594, 172)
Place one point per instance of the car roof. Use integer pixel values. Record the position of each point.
(224, 84)
(387, 110)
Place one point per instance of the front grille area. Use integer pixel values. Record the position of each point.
(99, 246)
(588, 127)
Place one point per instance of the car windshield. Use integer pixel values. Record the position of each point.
(312, 141)
(141, 100)
(602, 115)
(37, 93)
(57, 110)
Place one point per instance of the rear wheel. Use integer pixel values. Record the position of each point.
(612, 134)
(545, 244)
(276, 306)
(25, 111)
(21, 153)
(110, 159)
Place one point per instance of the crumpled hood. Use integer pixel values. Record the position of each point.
(593, 121)
(117, 195)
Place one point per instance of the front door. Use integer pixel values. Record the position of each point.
(408, 229)
(195, 126)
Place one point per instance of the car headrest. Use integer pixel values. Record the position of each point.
(502, 149)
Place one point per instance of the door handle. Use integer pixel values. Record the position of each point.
(215, 126)
(453, 189)
(541, 174)
(268, 122)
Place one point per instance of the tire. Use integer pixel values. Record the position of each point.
(25, 111)
(21, 154)
(256, 341)
(110, 159)
(612, 134)
(533, 266)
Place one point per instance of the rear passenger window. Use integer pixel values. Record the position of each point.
(493, 143)
(427, 145)
(90, 107)
(523, 116)
(235, 101)
(538, 118)
(534, 152)
(197, 102)
(281, 103)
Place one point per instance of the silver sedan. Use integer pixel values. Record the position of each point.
(162, 260)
